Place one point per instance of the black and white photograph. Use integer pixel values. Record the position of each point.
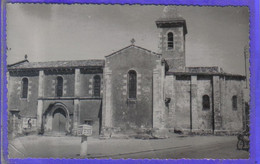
(96, 81)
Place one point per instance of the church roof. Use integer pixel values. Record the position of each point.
(204, 71)
(58, 64)
(133, 46)
(161, 19)
(170, 13)
(171, 18)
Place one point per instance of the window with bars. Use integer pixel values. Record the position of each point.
(24, 88)
(170, 41)
(97, 84)
(234, 102)
(205, 102)
(59, 87)
(132, 82)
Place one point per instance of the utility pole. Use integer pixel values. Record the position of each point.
(246, 56)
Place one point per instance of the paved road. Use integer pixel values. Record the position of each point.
(176, 147)
(223, 150)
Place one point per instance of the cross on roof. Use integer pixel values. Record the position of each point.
(133, 41)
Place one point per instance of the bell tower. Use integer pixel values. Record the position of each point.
(172, 31)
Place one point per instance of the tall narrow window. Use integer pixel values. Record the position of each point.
(24, 88)
(59, 87)
(234, 102)
(205, 102)
(132, 84)
(97, 82)
(170, 40)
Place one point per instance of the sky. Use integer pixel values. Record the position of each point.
(216, 35)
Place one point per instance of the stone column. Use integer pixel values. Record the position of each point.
(40, 101)
(216, 104)
(76, 119)
(41, 85)
(223, 98)
(39, 115)
(243, 126)
(243, 104)
(76, 116)
(158, 102)
(169, 93)
(173, 102)
(156, 111)
(194, 103)
(159, 113)
(14, 130)
(107, 106)
(77, 83)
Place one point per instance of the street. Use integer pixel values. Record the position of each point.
(175, 147)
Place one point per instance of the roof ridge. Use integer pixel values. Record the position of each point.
(147, 50)
(67, 60)
(60, 64)
(206, 73)
(20, 62)
(169, 19)
(118, 51)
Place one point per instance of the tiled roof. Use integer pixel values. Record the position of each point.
(171, 18)
(170, 22)
(203, 71)
(57, 64)
(161, 19)
(200, 73)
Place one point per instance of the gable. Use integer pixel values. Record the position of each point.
(133, 48)
(132, 57)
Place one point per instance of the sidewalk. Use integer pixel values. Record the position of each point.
(69, 147)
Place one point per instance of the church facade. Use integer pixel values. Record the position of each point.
(132, 90)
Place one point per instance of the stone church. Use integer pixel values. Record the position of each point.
(132, 90)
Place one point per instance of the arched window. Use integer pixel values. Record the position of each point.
(97, 82)
(205, 102)
(59, 87)
(234, 102)
(170, 41)
(132, 84)
(24, 88)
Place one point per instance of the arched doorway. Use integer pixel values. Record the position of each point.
(56, 119)
(59, 121)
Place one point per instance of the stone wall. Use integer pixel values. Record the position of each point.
(126, 113)
(175, 57)
(48, 108)
(86, 84)
(69, 104)
(42, 98)
(185, 110)
(232, 120)
(91, 112)
(182, 101)
(170, 107)
(50, 82)
(26, 106)
(204, 116)
(159, 109)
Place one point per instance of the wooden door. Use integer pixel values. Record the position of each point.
(58, 122)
